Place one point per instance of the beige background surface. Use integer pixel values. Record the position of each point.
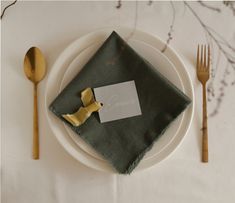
(57, 177)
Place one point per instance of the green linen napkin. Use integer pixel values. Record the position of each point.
(122, 142)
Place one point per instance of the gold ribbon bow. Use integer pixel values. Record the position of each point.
(83, 113)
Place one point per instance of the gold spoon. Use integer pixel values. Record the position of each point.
(35, 70)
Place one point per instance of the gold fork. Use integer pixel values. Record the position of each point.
(203, 74)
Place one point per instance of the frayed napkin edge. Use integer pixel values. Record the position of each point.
(134, 164)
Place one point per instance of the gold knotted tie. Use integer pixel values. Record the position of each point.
(83, 113)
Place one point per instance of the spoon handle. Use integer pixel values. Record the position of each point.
(35, 126)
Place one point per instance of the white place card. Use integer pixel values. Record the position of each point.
(119, 101)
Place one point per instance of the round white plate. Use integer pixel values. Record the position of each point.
(71, 61)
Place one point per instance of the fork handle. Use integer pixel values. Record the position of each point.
(204, 129)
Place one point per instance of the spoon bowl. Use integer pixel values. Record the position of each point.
(34, 65)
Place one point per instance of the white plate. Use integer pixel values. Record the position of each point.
(74, 58)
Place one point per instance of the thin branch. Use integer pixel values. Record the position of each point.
(119, 5)
(171, 29)
(214, 68)
(209, 6)
(223, 41)
(150, 2)
(221, 95)
(231, 5)
(184, 11)
(207, 29)
(135, 21)
(4, 10)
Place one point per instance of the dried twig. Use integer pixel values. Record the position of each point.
(231, 5)
(171, 29)
(150, 2)
(208, 30)
(4, 10)
(221, 95)
(221, 40)
(209, 6)
(210, 87)
(119, 5)
(135, 21)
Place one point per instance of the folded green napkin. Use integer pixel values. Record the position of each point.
(122, 142)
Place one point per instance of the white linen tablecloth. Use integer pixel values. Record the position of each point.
(57, 177)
